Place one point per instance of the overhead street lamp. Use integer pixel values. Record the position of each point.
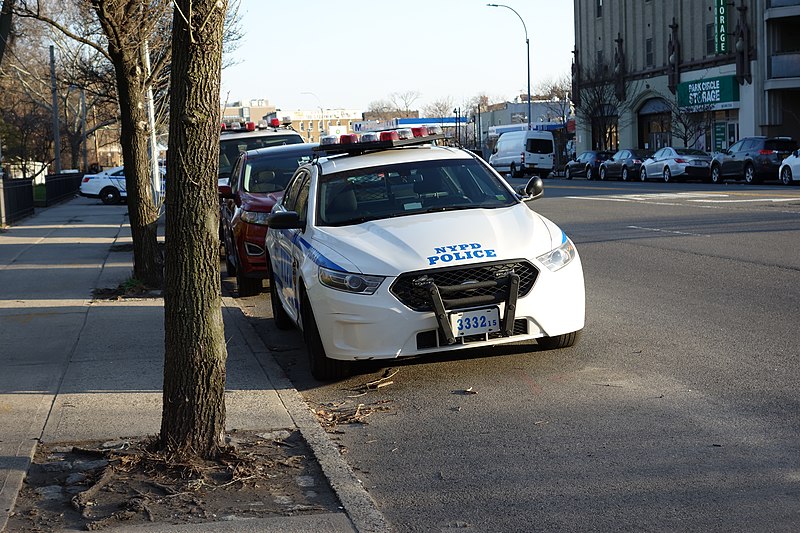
(528, 47)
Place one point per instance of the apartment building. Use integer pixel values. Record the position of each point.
(704, 73)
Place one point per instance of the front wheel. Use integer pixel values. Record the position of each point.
(559, 341)
(716, 175)
(322, 367)
(786, 175)
(749, 175)
(247, 286)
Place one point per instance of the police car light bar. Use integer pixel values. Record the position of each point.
(350, 143)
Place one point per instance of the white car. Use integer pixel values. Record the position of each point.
(392, 249)
(108, 185)
(789, 171)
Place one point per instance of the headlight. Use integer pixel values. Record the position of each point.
(349, 282)
(255, 217)
(560, 257)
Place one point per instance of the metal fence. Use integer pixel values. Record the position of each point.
(17, 197)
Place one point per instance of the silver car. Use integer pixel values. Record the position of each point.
(671, 164)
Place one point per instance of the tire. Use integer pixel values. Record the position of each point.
(322, 367)
(110, 196)
(786, 175)
(230, 266)
(282, 319)
(749, 174)
(602, 174)
(567, 174)
(247, 286)
(589, 173)
(716, 175)
(559, 341)
(667, 175)
(624, 173)
(643, 174)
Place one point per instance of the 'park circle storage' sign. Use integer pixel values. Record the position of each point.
(709, 94)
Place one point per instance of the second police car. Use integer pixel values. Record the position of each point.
(397, 247)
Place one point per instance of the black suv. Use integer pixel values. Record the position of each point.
(753, 159)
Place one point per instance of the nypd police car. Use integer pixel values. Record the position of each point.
(392, 246)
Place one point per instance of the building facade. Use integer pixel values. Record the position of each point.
(314, 123)
(700, 73)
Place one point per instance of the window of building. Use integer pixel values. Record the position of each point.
(599, 58)
(710, 40)
(599, 8)
(302, 126)
(649, 60)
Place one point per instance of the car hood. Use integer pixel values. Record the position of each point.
(436, 240)
(260, 203)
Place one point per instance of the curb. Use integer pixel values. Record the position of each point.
(356, 501)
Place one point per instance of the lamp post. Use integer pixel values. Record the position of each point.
(528, 48)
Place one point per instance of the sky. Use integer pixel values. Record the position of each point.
(349, 53)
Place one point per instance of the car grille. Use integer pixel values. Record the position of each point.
(465, 286)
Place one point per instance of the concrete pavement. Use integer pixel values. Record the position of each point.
(75, 368)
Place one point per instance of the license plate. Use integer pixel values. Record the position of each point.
(475, 321)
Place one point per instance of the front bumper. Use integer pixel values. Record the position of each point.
(361, 327)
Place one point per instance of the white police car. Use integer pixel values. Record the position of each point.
(398, 248)
(109, 185)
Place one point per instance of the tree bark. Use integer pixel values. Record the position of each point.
(5, 25)
(193, 413)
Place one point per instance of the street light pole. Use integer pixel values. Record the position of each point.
(321, 111)
(528, 49)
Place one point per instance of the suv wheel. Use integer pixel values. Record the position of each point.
(749, 174)
(322, 368)
(247, 286)
(786, 175)
(716, 174)
(282, 319)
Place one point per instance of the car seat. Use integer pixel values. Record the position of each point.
(431, 190)
(343, 205)
(262, 181)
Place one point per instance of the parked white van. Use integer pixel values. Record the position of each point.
(524, 152)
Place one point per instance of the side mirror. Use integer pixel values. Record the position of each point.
(533, 190)
(224, 191)
(285, 220)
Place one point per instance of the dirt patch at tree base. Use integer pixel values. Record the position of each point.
(96, 485)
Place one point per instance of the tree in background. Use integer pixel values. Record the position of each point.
(193, 412)
(396, 105)
(6, 13)
(556, 93)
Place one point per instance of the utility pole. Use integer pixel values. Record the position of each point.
(56, 127)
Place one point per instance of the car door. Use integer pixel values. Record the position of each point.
(117, 179)
(614, 165)
(578, 168)
(287, 253)
(653, 165)
(731, 161)
(229, 205)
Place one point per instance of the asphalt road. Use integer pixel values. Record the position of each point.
(676, 411)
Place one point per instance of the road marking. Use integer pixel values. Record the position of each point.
(659, 230)
(774, 200)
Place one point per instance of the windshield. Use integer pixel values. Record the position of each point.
(271, 174)
(376, 193)
(229, 149)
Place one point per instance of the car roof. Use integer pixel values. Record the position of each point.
(256, 133)
(284, 149)
(409, 154)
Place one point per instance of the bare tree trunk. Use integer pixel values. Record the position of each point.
(193, 413)
(5, 25)
(147, 263)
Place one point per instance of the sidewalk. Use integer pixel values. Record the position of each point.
(77, 369)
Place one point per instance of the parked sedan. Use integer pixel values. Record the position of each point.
(789, 172)
(676, 164)
(625, 165)
(586, 165)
